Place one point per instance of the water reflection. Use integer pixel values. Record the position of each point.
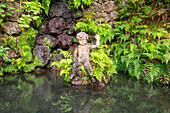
(47, 92)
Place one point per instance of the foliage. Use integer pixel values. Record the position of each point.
(65, 64)
(89, 25)
(119, 1)
(103, 65)
(4, 52)
(138, 45)
(78, 3)
(46, 4)
(22, 45)
(33, 10)
(26, 62)
(5, 11)
(141, 47)
(3, 56)
(141, 42)
(26, 38)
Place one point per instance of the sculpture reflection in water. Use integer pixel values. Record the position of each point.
(81, 58)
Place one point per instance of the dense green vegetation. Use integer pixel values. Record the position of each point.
(139, 43)
(77, 3)
(65, 64)
(24, 43)
(142, 45)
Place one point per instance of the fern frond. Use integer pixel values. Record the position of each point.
(167, 57)
(138, 68)
(152, 71)
(97, 72)
(55, 64)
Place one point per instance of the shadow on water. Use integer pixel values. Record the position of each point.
(48, 93)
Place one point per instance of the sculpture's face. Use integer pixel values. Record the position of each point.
(82, 38)
(82, 41)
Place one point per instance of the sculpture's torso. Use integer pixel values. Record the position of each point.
(83, 53)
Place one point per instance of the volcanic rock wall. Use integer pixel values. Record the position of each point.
(104, 9)
(58, 27)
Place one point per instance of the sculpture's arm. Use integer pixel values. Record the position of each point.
(97, 37)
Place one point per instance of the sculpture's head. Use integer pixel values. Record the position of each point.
(82, 37)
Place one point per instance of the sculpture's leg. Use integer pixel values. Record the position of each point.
(74, 70)
(88, 68)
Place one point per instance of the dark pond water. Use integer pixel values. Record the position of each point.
(47, 93)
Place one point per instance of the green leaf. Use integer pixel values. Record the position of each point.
(122, 26)
(24, 25)
(1, 10)
(160, 35)
(1, 20)
(11, 8)
(3, 5)
(141, 26)
(167, 57)
(135, 31)
(69, 61)
(1, 72)
(26, 53)
(144, 31)
(55, 64)
(168, 26)
(152, 71)
(63, 71)
(35, 17)
(83, 69)
(111, 70)
(97, 72)
(8, 14)
(39, 21)
(45, 4)
(19, 21)
(3, 15)
(147, 9)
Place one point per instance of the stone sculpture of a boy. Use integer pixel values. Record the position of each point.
(81, 54)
